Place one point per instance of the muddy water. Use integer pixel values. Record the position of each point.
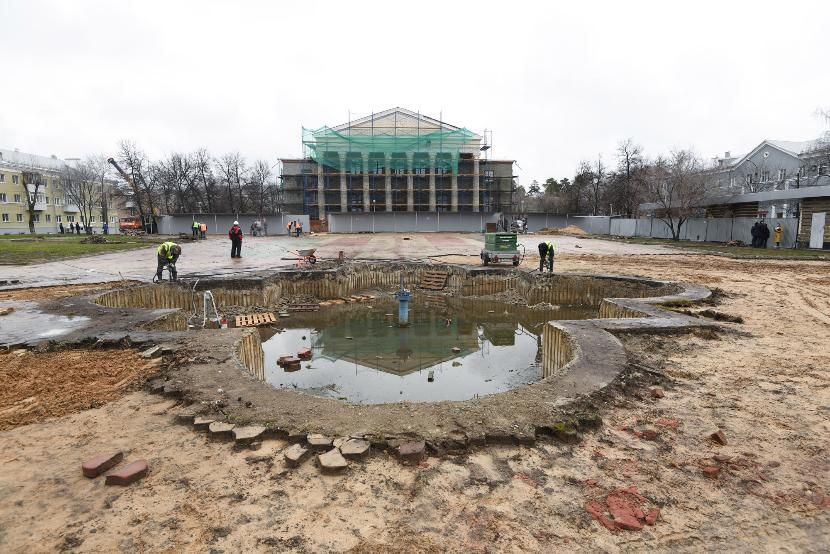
(27, 324)
(452, 349)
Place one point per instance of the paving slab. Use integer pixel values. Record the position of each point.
(100, 463)
(128, 474)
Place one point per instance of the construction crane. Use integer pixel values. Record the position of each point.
(128, 223)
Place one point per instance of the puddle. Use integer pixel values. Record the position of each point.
(26, 323)
(361, 354)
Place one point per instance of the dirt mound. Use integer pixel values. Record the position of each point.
(39, 386)
(569, 230)
(95, 239)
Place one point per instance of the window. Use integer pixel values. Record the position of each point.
(732, 182)
(765, 176)
(822, 169)
(5, 218)
(36, 218)
(749, 178)
(3, 197)
(113, 219)
(48, 218)
(70, 218)
(17, 199)
(58, 218)
(20, 218)
(47, 199)
(782, 174)
(2, 177)
(15, 179)
(92, 219)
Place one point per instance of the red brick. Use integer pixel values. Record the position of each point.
(657, 392)
(667, 422)
(412, 451)
(128, 474)
(718, 437)
(711, 471)
(596, 511)
(304, 353)
(628, 522)
(100, 463)
(652, 515)
(650, 434)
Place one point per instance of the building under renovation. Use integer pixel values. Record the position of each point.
(395, 161)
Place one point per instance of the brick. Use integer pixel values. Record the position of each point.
(318, 442)
(652, 515)
(221, 430)
(657, 392)
(722, 459)
(412, 451)
(355, 448)
(100, 463)
(650, 434)
(718, 437)
(332, 461)
(295, 454)
(130, 473)
(304, 353)
(248, 434)
(711, 471)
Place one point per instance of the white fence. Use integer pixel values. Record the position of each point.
(705, 229)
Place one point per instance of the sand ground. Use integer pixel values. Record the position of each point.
(764, 383)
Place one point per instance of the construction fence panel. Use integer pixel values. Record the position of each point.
(220, 224)
(624, 227)
(410, 222)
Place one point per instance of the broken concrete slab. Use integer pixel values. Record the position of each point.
(248, 434)
(152, 352)
(100, 463)
(719, 437)
(332, 461)
(221, 430)
(201, 423)
(355, 448)
(128, 474)
(295, 454)
(319, 442)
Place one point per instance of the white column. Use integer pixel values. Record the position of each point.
(344, 195)
(388, 161)
(475, 184)
(367, 201)
(432, 206)
(410, 183)
(321, 192)
(454, 182)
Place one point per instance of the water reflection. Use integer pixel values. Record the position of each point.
(362, 354)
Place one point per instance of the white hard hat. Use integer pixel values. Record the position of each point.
(236, 223)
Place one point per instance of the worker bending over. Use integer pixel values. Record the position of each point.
(545, 251)
(168, 253)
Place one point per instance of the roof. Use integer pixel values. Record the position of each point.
(33, 161)
(793, 147)
(407, 115)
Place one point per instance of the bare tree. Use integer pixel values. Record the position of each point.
(144, 188)
(32, 183)
(101, 170)
(625, 185)
(203, 172)
(231, 168)
(677, 186)
(258, 187)
(80, 183)
(596, 185)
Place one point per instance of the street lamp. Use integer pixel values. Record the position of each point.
(373, 215)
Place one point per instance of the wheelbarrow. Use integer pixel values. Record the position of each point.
(306, 256)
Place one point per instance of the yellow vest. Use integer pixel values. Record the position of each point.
(165, 250)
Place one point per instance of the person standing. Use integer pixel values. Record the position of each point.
(545, 251)
(60, 227)
(764, 234)
(778, 233)
(235, 235)
(299, 228)
(203, 231)
(77, 228)
(755, 232)
(195, 229)
(265, 227)
(106, 228)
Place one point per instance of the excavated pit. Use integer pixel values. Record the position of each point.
(561, 367)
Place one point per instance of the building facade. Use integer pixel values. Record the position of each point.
(53, 205)
(394, 161)
(773, 165)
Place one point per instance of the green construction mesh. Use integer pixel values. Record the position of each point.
(322, 146)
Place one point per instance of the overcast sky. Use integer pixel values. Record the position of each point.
(556, 83)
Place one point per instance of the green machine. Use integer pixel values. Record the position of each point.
(501, 247)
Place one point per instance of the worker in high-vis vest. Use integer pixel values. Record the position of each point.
(195, 228)
(545, 252)
(168, 253)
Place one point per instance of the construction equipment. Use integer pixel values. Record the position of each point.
(501, 247)
(306, 257)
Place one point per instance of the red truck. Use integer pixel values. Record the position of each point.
(128, 224)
